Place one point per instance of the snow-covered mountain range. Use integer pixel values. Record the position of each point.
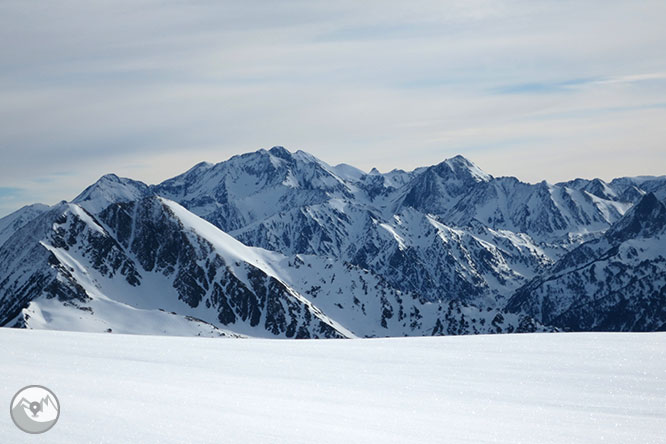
(280, 244)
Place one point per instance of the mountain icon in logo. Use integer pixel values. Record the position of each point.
(35, 409)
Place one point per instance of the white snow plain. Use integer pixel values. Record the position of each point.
(528, 388)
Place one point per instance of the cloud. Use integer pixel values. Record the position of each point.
(634, 78)
(575, 84)
(147, 88)
(10, 193)
(539, 88)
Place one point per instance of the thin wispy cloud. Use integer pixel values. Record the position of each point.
(634, 78)
(573, 85)
(541, 88)
(8, 193)
(147, 88)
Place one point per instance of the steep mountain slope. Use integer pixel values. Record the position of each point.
(637, 186)
(140, 256)
(254, 186)
(446, 232)
(437, 189)
(13, 222)
(622, 189)
(617, 282)
(368, 306)
(296, 204)
(151, 266)
(548, 213)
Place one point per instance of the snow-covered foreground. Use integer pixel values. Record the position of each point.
(532, 388)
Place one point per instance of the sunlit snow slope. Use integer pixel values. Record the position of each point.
(531, 388)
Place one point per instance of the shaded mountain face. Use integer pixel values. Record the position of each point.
(151, 266)
(139, 256)
(281, 244)
(438, 188)
(617, 282)
(645, 220)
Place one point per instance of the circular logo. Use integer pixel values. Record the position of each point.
(35, 409)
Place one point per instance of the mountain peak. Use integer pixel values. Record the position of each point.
(460, 158)
(281, 152)
(199, 166)
(461, 166)
(110, 189)
(110, 177)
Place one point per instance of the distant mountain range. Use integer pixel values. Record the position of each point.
(281, 244)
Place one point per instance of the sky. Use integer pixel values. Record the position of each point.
(145, 89)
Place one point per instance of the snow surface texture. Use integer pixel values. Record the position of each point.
(534, 388)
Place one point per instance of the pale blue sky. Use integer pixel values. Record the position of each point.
(147, 88)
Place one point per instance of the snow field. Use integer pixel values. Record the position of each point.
(532, 388)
